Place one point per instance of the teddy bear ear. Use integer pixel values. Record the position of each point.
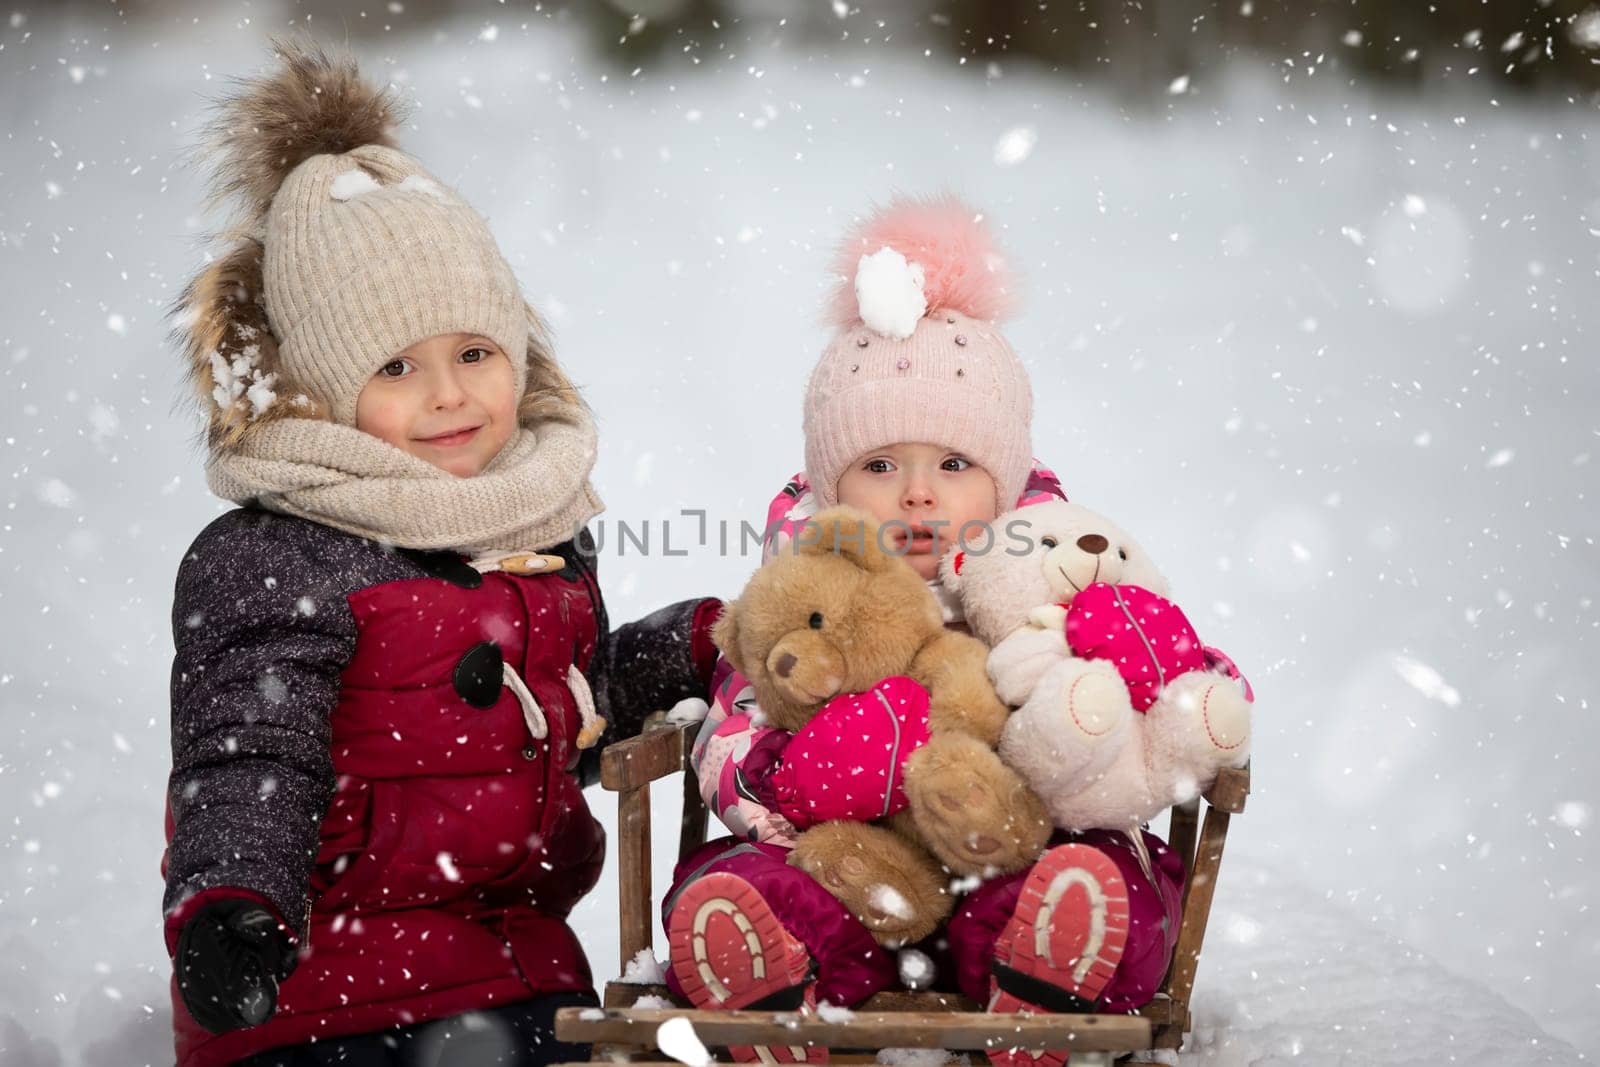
(847, 532)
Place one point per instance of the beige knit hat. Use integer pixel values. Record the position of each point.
(917, 356)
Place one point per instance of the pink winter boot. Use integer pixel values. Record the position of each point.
(1062, 945)
(729, 951)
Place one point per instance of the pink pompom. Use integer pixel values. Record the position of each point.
(963, 271)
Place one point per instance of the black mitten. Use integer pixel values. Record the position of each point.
(231, 956)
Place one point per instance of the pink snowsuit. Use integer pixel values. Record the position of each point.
(766, 785)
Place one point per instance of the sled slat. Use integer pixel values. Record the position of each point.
(872, 1030)
(633, 871)
(1197, 893)
(1229, 791)
(1159, 1012)
(1181, 831)
(636, 761)
(932, 1003)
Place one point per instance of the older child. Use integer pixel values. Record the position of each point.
(393, 657)
(919, 413)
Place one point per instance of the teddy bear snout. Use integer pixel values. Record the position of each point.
(1074, 565)
(808, 669)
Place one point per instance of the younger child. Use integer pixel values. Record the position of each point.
(919, 413)
(393, 658)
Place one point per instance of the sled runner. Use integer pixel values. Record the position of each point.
(621, 1032)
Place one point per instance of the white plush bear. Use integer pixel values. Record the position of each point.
(1121, 711)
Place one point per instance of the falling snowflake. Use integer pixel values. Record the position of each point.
(1573, 814)
(1427, 681)
(676, 1037)
(916, 969)
(57, 493)
(889, 900)
(1015, 145)
(1585, 31)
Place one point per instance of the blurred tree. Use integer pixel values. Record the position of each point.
(1140, 47)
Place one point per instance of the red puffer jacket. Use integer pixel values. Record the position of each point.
(345, 751)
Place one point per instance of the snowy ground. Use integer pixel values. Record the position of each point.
(1330, 355)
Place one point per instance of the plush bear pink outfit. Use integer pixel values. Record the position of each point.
(1146, 637)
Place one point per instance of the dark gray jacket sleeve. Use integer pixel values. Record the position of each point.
(647, 665)
(650, 667)
(262, 636)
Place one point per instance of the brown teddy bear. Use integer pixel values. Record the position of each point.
(839, 614)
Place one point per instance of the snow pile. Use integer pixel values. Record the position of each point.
(644, 969)
(1287, 975)
(241, 381)
(688, 710)
(353, 183)
(650, 1000)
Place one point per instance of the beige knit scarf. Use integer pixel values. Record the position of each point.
(534, 495)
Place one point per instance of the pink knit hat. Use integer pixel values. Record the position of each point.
(918, 355)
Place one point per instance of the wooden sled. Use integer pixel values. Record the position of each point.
(620, 1032)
